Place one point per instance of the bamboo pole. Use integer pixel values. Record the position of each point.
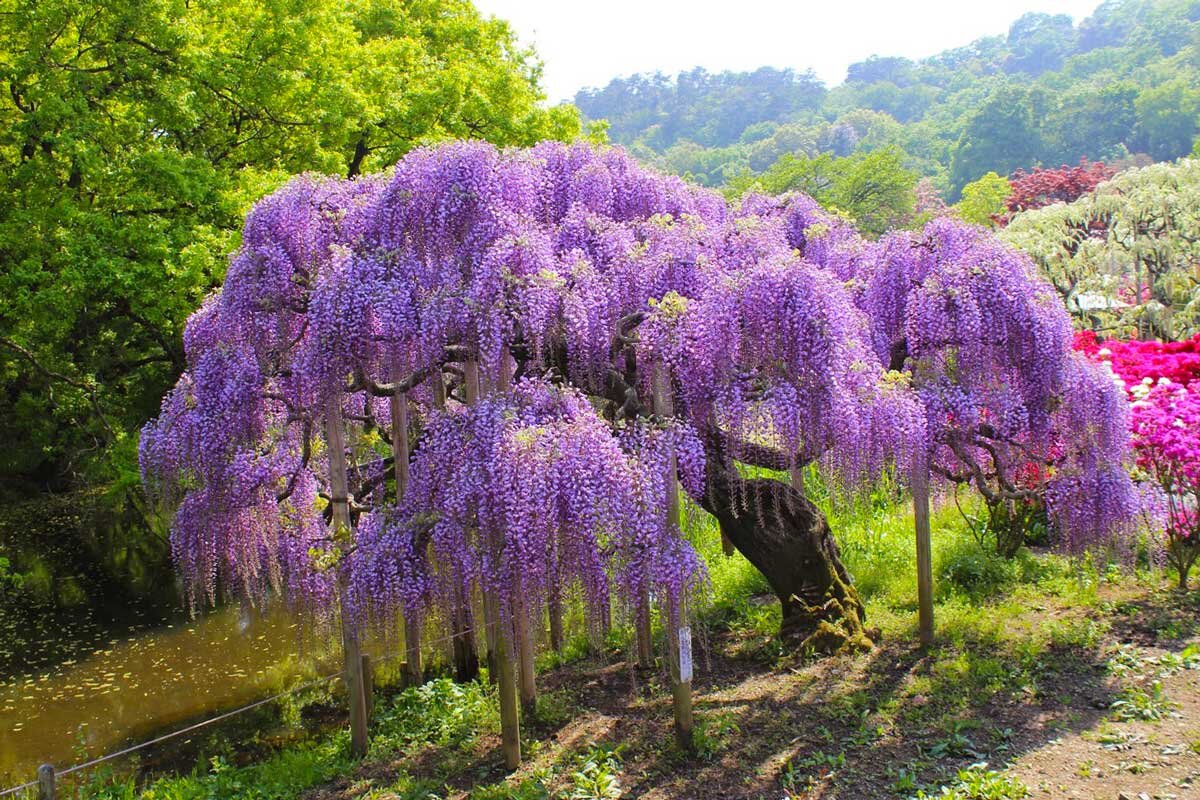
(679, 645)
(340, 501)
(920, 492)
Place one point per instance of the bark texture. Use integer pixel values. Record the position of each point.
(787, 538)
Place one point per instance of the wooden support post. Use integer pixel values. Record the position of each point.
(339, 499)
(920, 492)
(462, 639)
(510, 722)
(471, 391)
(679, 641)
(679, 638)
(400, 457)
(46, 783)
(368, 673)
(554, 612)
(413, 673)
(641, 624)
(525, 656)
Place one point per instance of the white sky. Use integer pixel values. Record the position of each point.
(587, 44)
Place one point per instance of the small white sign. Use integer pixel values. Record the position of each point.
(685, 654)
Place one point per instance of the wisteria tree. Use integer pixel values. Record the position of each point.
(1010, 408)
(1122, 256)
(483, 373)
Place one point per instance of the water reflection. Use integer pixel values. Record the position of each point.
(131, 687)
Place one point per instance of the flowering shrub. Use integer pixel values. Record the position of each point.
(1166, 437)
(1135, 360)
(1162, 381)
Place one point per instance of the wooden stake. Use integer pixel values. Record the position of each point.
(920, 491)
(679, 650)
(340, 500)
(554, 611)
(413, 673)
(46, 783)
(525, 657)
(499, 635)
(368, 673)
(400, 456)
(510, 721)
(641, 624)
(462, 640)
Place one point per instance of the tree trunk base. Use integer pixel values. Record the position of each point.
(787, 538)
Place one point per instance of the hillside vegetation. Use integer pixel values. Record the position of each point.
(1122, 82)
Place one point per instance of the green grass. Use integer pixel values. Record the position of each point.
(440, 713)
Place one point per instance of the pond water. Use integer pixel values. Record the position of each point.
(122, 689)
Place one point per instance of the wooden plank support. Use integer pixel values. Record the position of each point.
(46, 787)
(527, 683)
(401, 453)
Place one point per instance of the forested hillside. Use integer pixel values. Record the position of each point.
(1123, 82)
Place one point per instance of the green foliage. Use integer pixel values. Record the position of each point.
(874, 188)
(983, 200)
(439, 713)
(133, 138)
(597, 776)
(977, 782)
(712, 733)
(10, 580)
(1138, 703)
(1002, 135)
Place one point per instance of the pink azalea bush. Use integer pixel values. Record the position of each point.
(1162, 381)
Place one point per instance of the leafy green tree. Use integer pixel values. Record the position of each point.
(1039, 42)
(133, 137)
(1168, 117)
(983, 200)
(1005, 134)
(875, 188)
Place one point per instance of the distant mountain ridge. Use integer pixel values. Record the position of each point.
(1123, 82)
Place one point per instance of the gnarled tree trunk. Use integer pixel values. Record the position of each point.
(787, 538)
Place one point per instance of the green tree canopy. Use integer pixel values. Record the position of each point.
(874, 188)
(983, 200)
(133, 136)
